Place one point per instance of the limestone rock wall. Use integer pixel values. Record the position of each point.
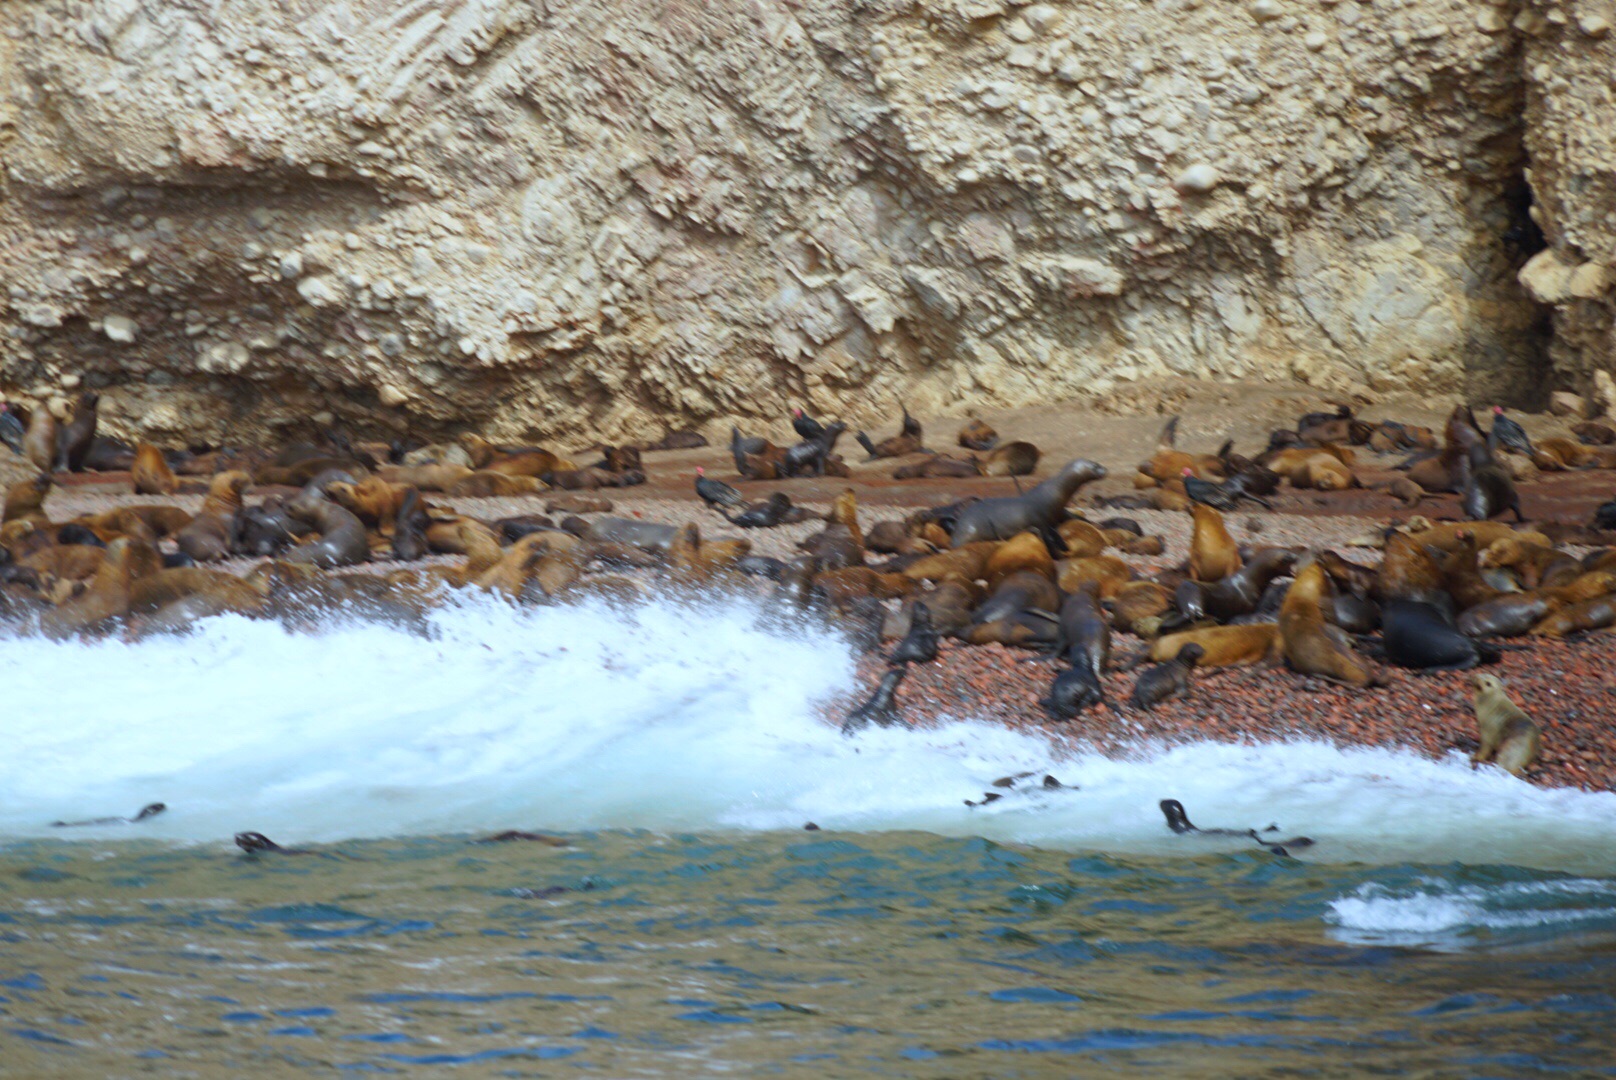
(566, 219)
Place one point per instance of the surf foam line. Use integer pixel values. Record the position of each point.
(662, 717)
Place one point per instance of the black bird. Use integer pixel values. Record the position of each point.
(919, 645)
(1225, 496)
(11, 429)
(806, 426)
(763, 515)
(882, 708)
(716, 492)
(1507, 432)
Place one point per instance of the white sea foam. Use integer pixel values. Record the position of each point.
(1438, 913)
(664, 718)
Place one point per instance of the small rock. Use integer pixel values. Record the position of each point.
(1196, 180)
(1316, 40)
(1604, 396)
(1595, 26)
(1490, 20)
(390, 395)
(1265, 10)
(1588, 281)
(1565, 403)
(119, 328)
(44, 316)
(71, 381)
(321, 290)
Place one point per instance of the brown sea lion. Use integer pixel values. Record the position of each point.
(1508, 736)
(1596, 614)
(1223, 646)
(907, 441)
(491, 484)
(534, 463)
(938, 465)
(151, 474)
(578, 504)
(425, 477)
(1024, 551)
(207, 537)
(1106, 571)
(976, 435)
(1011, 459)
(965, 564)
(1168, 463)
(1312, 646)
(107, 597)
(39, 441)
(1213, 552)
(1138, 600)
(25, 500)
(73, 442)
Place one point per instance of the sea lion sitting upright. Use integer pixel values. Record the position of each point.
(151, 474)
(39, 441)
(1508, 735)
(73, 443)
(1312, 645)
(881, 707)
(1039, 509)
(207, 538)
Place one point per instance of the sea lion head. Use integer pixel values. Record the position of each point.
(1190, 654)
(1486, 683)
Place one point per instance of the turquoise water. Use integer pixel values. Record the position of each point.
(1447, 922)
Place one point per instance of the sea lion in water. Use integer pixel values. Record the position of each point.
(1422, 636)
(1037, 510)
(150, 810)
(255, 842)
(1508, 735)
(1166, 680)
(881, 707)
(151, 474)
(1179, 822)
(73, 443)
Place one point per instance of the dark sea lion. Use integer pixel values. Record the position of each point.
(1508, 616)
(1166, 680)
(773, 511)
(110, 455)
(1179, 822)
(254, 843)
(1237, 594)
(646, 535)
(150, 810)
(264, 529)
(809, 457)
(73, 442)
(517, 834)
(1578, 618)
(409, 528)
(919, 645)
(1038, 509)
(1084, 635)
(1487, 488)
(881, 707)
(1073, 690)
(12, 429)
(1423, 637)
(343, 540)
(1507, 734)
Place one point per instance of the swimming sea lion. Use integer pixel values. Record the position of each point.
(1166, 680)
(1508, 735)
(1038, 509)
(145, 813)
(1179, 822)
(881, 706)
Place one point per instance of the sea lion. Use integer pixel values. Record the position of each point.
(1038, 509)
(1487, 488)
(810, 457)
(255, 843)
(907, 441)
(1138, 600)
(919, 645)
(145, 813)
(39, 441)
(151, 474)
(73, 442)
(881, 707)
(409, 528)
(1238, 593)
(1166, 680)
(1011, 459)
(25, 500)
(264, 529)
(427, 477)
(107, 597)
(530, 464)
(774, 511)
(938, 465)
(207, 537)
(1598, 613)
(1221, 646)
(976, 435)
(1179, 822)
(1110, 573)
(1424, 637)
(1073, 690)
(1312, 646)
(489, 484)
(1508, 736)
(1511, 615)
(1084, 636)
(1024, 551)
(1168, 463)
(1213, 552)
(646, 535)
(578, 504)
(342, 541)
(683, 439)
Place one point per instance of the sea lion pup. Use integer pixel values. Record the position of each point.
(1487, 489)
(1038, 509)
(906, 441)
(1213, 552)
(425, 477)
(151, 474)
(39, 441)
(1424, 637)
(919, 645)
(74, 439)
(976, 435)
(1508, 736)
(881, 707)
(342, 541)
(1311, 645)
(1084, 637)
(1011, 459)
(1073, 690)
(25, 500)
(1166, 680)
(207, 537)
(937, 466)
(809, 457)
(125, 562)
(1221, 646)
(489, 484)
(409, 528)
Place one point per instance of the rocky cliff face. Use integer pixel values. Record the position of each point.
(568, 219)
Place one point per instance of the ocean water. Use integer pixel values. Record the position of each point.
(1445, 921)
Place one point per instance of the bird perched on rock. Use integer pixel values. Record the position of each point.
(882, 706)
(919, 645)
(1507, 432)
(806, 426)
(715, 492)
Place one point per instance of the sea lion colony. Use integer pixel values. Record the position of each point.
(1027, 571)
